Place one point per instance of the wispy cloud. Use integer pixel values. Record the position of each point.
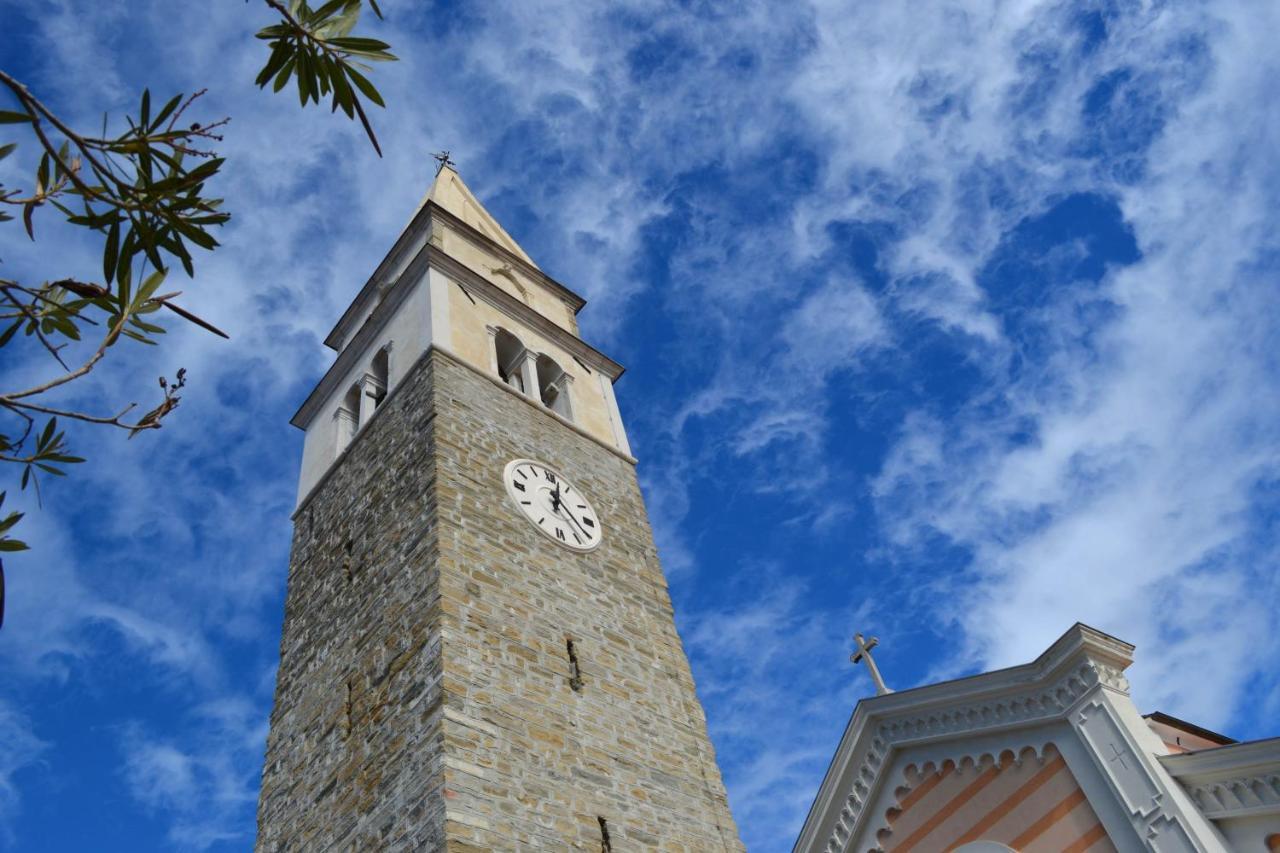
(20, 748)
(953, 321)
(202, 785)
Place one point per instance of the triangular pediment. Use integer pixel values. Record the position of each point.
(909, 762)
(451, 193)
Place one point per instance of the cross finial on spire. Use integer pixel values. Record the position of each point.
(863, 655)
(442, 157)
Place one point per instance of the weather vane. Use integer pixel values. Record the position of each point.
(442, 157)
(863, 655)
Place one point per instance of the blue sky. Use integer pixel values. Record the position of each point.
(954, 323)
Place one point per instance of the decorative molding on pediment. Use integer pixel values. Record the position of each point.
(1238, 780)
(1238, 797)
(1074, 696)
(1040, 703)
(960, 759)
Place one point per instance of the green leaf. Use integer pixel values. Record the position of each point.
(306, 76)
(275, 31)
(13, 545)
(329, 8)
(166, 110)
(146, 327)
(137, 337)
(7, 117)
(48, 433)
(201, 238)
(283, 76)
(364, 85)
(10, 520)
(8, 333)
(111, 253)
(279, 55)
(376, 10)
(205, 170)
(149, 286)
(363, 45)
(342, 94)
(145, 112)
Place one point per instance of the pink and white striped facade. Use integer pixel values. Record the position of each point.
(1048, 757)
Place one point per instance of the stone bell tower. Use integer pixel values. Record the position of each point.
(479, 651)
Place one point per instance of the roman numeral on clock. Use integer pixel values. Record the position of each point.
(553, 505)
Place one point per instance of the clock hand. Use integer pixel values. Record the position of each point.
(569, 515)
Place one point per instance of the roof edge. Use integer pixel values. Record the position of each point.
(1078, 641)
(418, 227)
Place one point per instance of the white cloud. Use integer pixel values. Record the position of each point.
(773, 658)
(19, 748)
(1109, 481)
(202, 785)
(1129, 507)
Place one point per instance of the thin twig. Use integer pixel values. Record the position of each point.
(111, 420)
(35, 324)
(83, 369)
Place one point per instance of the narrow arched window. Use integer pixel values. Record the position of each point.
(553, 386)
(379, 369)
(510, 357)
(347, 418)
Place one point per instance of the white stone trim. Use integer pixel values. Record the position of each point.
(439, 327)
(1077, 686)
(1238, 780)
(458, 360)
(370, 389)
(615, 416)
(439, 271)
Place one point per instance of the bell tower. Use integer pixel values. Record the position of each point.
(479, 651)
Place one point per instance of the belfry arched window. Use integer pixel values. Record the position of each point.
(379, 370)
(553, 386)
(347, 418)
(510, 357)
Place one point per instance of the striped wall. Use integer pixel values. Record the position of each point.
(1031, 803)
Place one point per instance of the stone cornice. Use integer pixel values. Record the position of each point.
(573, 300)
(430, 257)
(512, 307)
(416, 231)
(436, 349)
(1231, 781)
(1042, 691)
(414, 272)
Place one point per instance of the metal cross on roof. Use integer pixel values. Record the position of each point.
(442, 157)
(863, 655)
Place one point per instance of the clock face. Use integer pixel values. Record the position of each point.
(553, 504)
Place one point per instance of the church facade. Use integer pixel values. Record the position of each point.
(479, 650)
(1048, 757)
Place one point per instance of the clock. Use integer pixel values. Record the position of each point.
(553, 505)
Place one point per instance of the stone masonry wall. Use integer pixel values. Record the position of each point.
(423, 700)
(353, 756)
(530, 763)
